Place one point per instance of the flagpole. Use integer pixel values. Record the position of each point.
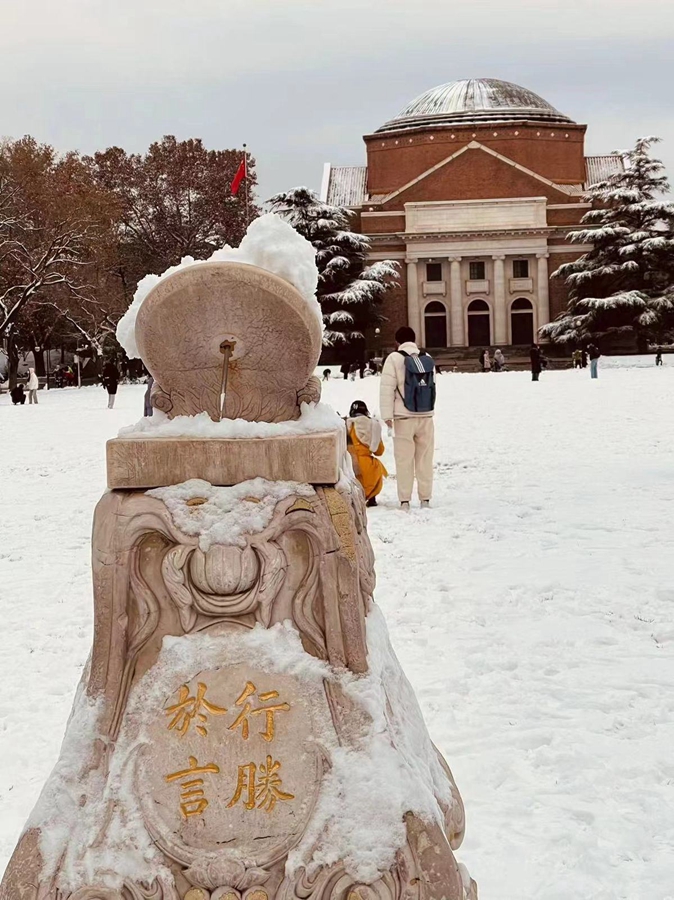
(245, 183)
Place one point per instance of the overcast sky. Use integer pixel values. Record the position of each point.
(302, 80)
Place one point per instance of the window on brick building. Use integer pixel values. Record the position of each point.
(477, 270)
(434, 271)
(520, 268)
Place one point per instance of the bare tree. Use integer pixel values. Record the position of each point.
(55, 224)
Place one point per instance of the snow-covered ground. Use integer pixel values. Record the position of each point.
(532, 609)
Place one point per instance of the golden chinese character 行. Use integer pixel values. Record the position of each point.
(261, 786)
(192, 799)
(249, 710)
(189, 708)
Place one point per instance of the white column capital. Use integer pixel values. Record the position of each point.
(498, 257)
(411, 262)
(455, 259)
(542, 255)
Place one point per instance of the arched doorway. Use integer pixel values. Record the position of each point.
(435, 324)
(479, 324)
(522, 321)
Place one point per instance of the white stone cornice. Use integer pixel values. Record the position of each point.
(570, 248)
(569, 206)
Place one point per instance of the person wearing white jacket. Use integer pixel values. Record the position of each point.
(32, 386)
(413, 432)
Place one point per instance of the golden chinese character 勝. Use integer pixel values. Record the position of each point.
(261, 786)
(249, 710)
(189, 708)
(192, 799)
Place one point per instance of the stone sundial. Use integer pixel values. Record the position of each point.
(275, 335)
(243, 730)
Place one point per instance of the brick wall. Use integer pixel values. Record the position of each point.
(394, 307)
(394, 160)
(559, 294)
(475, 175)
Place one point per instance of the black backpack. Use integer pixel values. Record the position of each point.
(419, 394)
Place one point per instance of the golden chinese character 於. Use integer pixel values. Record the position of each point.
(192, 798)
(260, 785)
(189, 708)
(248, 710)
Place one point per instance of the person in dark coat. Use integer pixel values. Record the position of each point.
(147, 406)
(594, 354)
(17, 394)
(481, 359)
(110, 381)
(536, 361)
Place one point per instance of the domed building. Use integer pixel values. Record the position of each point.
(474, 187)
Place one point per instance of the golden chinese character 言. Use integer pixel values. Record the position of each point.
(189, 708)
(192, 799)
(260, 785)
(249, 710)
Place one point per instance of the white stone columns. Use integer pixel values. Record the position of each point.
(500, 302)
(413, 311)
(543, 290)
(457, 338)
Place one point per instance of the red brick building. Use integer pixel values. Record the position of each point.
(473, 188)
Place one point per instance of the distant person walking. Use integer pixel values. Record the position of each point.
(407, 403)
(536, 362)
(583, 358)
(594, 354)
(658, 357)
(32, 386)
(577, 359)
(110, 381)
(499, 361)
(364, 443)
(147, 399)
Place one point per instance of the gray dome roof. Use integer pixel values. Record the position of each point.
(475, 101)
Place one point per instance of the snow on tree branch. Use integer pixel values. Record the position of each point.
(624, 283)
(349, 290)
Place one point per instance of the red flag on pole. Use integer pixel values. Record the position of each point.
(238, 178)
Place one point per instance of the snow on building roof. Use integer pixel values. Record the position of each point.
(475, 100)
(599, 168)
(344, 185)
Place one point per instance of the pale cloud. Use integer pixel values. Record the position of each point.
(302, 81)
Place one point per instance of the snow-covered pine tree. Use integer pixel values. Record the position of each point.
(626, 282)
(349, 290)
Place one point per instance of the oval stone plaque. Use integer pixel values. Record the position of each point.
(233, 763)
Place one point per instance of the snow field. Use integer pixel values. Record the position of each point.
(531, 608)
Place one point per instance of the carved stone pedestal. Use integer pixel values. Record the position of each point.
(243, 730)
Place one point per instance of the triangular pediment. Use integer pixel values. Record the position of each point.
(521, 175)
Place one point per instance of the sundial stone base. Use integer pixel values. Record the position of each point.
(148, 462)
(243, 730)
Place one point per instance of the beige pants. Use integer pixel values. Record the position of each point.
(413, 446)
(32, 395)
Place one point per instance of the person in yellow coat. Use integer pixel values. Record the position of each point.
(365, 445)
